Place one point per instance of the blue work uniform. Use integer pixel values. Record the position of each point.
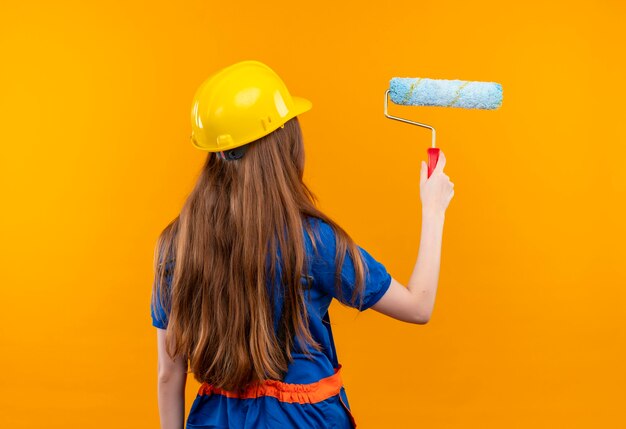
(311, 394)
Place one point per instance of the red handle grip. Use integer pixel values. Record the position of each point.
(433, 156)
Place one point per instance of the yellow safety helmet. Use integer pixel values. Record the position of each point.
(239, 104)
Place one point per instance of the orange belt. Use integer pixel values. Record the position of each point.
(285, 392)
(288, 392)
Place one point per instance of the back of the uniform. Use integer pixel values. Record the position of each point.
(311, 394)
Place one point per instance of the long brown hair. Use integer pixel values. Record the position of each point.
(217, 250)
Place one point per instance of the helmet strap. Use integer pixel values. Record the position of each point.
(233, 154)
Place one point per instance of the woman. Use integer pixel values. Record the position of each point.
(244, 275)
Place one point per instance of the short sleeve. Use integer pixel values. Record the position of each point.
(377, 279)
(160, 306)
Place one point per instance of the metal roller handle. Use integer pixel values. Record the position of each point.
(433, 152)
(406, 120)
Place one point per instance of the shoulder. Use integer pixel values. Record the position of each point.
(323, 231)
(322, 244)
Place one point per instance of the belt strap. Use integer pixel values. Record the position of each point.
(309, 393)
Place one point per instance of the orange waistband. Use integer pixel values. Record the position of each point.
(285, 392)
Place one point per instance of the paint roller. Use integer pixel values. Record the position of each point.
(443, 93)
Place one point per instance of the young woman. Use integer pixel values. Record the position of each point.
(244, 275)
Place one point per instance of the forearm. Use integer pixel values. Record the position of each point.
(171, 392)
(425, 276)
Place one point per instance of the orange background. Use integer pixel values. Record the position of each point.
(528, 328)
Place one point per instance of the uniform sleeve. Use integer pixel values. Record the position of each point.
(377, 279)
(159, 310)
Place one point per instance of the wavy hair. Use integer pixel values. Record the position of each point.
(213, 264)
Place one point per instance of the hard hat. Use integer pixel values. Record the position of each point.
(239, 104)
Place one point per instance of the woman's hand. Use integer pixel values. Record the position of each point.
(437, 190)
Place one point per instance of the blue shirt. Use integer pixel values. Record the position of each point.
(321, 273)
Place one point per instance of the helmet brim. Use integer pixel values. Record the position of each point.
(300, 105)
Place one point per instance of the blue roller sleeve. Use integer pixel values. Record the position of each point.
(445, 93)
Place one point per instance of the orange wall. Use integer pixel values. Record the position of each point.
(528, 328)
